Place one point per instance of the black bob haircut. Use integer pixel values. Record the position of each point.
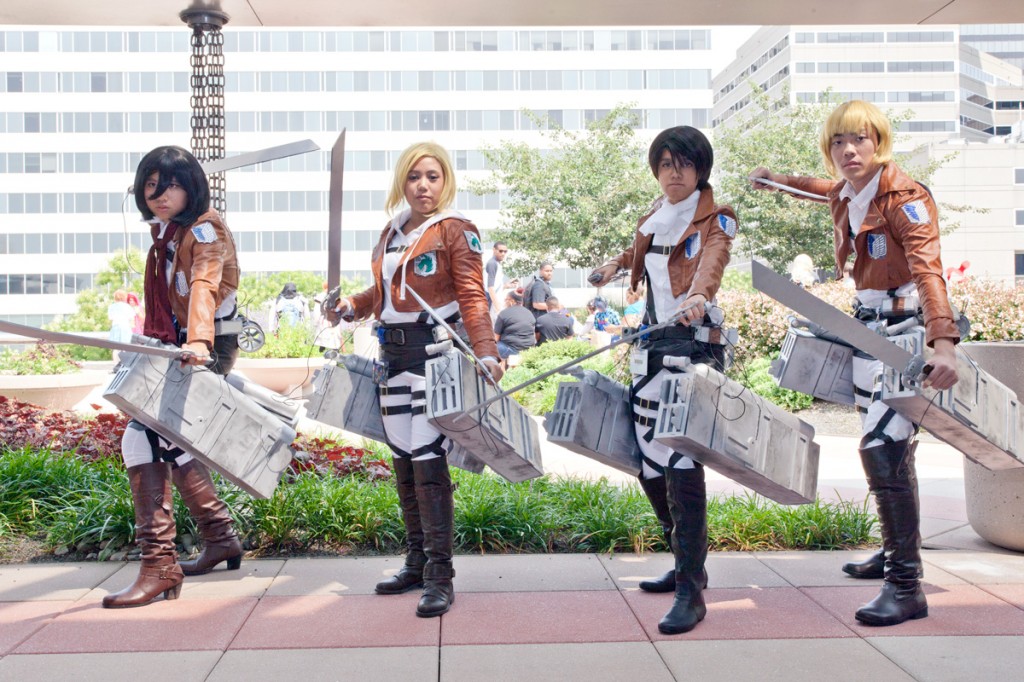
(684, 142)
(177, 165)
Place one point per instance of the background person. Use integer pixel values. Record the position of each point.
(436, 252)
(290, 307)
(890, 223)
(555, 324)
(515, 329)
(536, 299)
(680, 249)
(122, 318)
(494, 278)
(191, 282)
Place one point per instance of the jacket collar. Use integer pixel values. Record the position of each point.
(893, 180)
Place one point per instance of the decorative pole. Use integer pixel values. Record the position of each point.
(207, 100)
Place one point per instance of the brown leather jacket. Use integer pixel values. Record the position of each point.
(898, 242)
(458, 275)
(204, 273)
(702, 275)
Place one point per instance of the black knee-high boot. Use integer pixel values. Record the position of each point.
(437, 512)
(687, 502)
(657, 493)
(411, 575)
(871, 568)
(893, 482)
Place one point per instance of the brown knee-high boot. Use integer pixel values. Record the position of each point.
(154, 532)
(893, 481)
(437, 513)
(216, 528)
(687, 501)
(411, 575)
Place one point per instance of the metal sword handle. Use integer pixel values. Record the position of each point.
(624, 339)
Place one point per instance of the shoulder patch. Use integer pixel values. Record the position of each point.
(691, 247)
(916, 212)
(727, 224)
(204, 233)
(474, 241)
(877, 246)
(425, 265)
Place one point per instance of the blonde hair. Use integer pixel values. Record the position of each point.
(853, 117)
(121, 296)
(409, 158)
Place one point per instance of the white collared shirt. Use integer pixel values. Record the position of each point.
(665, 304)
(394, 265)
(860, 202)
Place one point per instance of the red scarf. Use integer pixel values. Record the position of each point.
(159, 322)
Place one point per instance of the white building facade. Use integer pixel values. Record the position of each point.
(78, 109)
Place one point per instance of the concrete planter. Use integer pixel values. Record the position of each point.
(54, 392)
(995, 499)
(287, 376)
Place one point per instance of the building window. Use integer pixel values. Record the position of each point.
(1020, 217)
(1018, 267)
(1018, 176)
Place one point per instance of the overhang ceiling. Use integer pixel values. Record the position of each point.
(409, 13)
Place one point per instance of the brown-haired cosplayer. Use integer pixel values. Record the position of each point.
(191, 279)
(890, 224)
(680, 251)
(437, 253)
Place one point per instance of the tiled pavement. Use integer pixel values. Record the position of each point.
(771, 616)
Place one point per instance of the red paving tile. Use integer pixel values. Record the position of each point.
(179, 625)
(952, 610)
(18, 620)
(329, 622)
(540, 617)
(1013, 594)
(744, 613)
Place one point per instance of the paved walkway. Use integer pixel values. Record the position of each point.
(771, 616)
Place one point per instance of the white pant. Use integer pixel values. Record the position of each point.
(867, 377)
(410, 434)
(136, 448)
(654, 451)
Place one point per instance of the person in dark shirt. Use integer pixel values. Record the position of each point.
(514, 330)
(555, 324)
(540, 291)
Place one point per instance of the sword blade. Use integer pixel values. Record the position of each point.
(834, 320)
(334, 206)
(64, 337)
(252, 158)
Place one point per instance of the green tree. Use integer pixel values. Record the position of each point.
(577, 201)
(123, 271)
(255, 290)
(777, 227)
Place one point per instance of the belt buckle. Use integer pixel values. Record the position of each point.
(398, 337)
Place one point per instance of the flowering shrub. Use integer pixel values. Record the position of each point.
(41, 358)
(25, 425)
(329, 457)
(996, 312)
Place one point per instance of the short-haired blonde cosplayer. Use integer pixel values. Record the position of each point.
(409, 158)
(852, 117)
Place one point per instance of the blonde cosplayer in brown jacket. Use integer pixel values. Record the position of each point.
(680, 250)
(890, 224)
(191, 278)
(436, 253)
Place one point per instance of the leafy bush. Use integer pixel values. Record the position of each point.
(996, 310)
(289, 341)
(539, 398)
(254, 291)
(754, 375)
(41, 358)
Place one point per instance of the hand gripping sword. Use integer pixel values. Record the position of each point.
(623, 339)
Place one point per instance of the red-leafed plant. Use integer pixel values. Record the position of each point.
(329, 457)
(92, 438)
